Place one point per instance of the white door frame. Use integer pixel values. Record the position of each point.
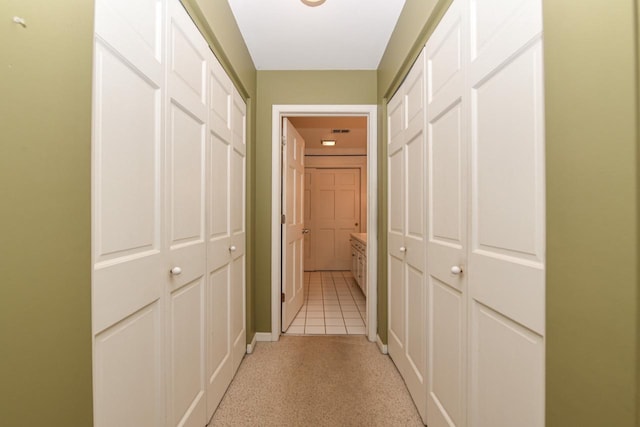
(371, 113)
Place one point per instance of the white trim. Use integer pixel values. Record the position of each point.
(371, 112)
(252, 345)
(264, 337)
(381, 346)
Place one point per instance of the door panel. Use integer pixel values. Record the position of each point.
(506, 261)
(128, 266)
(127, 116)
(238, 330)
(292, 237)
(309, 239)
(508, 366)
(187, 350)
(397, 303)
(134, 32)
(218, 364)
(226, 332)
(447, 224)
(446, 341)
(127, 371)
(185, 156)
(219, 187)
(238, 232)
(186, 170)
(416, 322)
(500, 28)
(513, 228)
(336, 199)
(407, 233)
(219, 357)
(416, 190)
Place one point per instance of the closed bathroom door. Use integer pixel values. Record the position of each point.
(335, 210)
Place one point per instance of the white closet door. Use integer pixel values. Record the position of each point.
(396, 227)
(447, 222)
(168, 188)
(129, 277)
(186, 122)
(506, 261)
(219, 267)
(407, 230)
(238, 230)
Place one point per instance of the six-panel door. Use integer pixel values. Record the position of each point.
(406, 235)
(168, 219)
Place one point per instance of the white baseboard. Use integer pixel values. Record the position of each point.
(252, 345)
(382, 347)
(263, 336)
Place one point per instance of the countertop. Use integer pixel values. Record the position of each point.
(362, 237)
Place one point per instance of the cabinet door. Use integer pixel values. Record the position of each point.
(362, 267)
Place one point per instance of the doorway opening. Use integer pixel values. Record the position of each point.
(346, 177)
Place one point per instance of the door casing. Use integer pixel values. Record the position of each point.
(369, 111)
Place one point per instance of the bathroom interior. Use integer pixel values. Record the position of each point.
(335, 226)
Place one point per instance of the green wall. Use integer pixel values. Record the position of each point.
(291, 87)
(218, 25)
(45, 220)
(592, 212)
(591, 66)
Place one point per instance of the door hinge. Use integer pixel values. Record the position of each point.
(283, 219)
(282, 297)
(284, 140)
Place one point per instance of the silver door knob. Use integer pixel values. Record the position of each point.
(456, 270)
(232, 248)
(403, 249)
(176, 271)
(305, 231)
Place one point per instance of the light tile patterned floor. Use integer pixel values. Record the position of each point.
(334, 305)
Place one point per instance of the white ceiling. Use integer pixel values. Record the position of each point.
(337, 35)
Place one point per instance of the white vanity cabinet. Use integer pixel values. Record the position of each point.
(359, 259)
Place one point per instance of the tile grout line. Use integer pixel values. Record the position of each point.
(334, 284)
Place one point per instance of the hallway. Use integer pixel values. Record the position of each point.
(319, 381)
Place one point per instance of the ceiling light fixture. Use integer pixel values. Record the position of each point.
(313, 3)
(328, 142)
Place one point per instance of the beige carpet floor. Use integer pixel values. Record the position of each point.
(317, 381)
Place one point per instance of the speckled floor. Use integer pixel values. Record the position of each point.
(317, 381)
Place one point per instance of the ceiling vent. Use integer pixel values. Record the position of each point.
(340, 131)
